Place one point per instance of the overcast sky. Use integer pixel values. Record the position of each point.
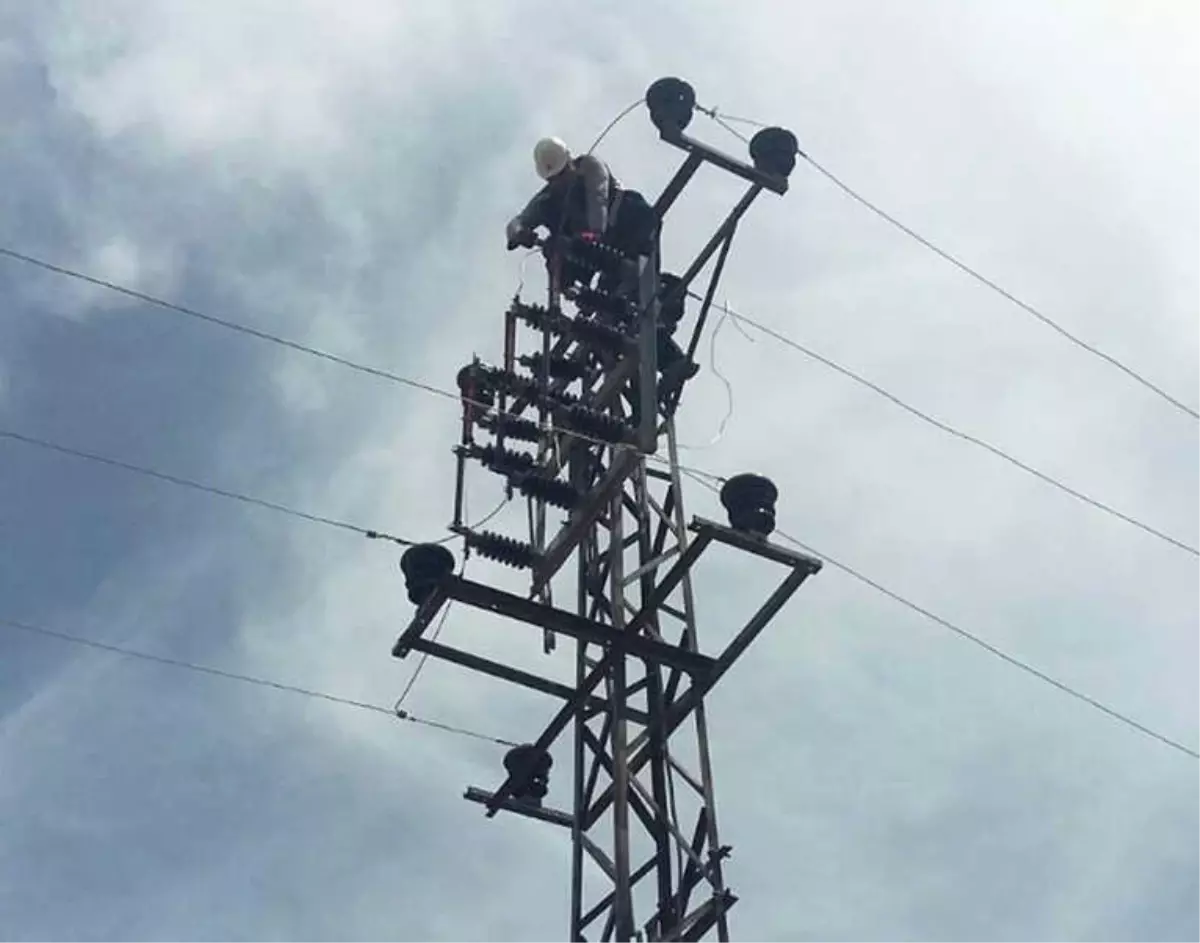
(341, 173)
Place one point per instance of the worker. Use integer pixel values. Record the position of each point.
(582, 199)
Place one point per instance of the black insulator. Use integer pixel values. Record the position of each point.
(671, 301)
(551, 490)
(598, 425)
(526, 762)
(594, 256)
(593, 332)
(512, 427)
(528, 386)
(750, 501)
(424, 567)
(594, 300)
(506, 461)
(561, 368)
(774, 150)
(472, 383)
(502, 549)
(671, 102)
(533, 315)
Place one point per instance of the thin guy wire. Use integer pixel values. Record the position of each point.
(247, 679)
(986, 646)
(315, 352)
(950, 430)
(963, 267)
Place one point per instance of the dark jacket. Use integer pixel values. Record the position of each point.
(577, 200)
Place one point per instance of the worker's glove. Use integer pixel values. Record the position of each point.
(522, 238)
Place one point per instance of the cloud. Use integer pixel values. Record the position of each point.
(341, 177)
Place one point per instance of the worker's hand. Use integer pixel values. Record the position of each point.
(522, 237)
(589, 236)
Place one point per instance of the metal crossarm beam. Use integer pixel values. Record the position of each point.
(568, 623)
(694, 148)
(514, 675)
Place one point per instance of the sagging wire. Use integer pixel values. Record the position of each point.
(976, 640)
(712, 362)
(245, 679)
(723, 120)
(612, 124)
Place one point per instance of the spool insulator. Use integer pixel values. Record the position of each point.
(671, 102)
(502, 549)
(533, 765)
(750, 502)
(561, 368)
(512, 427)
(473, 385)
(551, 490)
(424, 567)
(773, 151)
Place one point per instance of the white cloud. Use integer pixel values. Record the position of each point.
(903, 779)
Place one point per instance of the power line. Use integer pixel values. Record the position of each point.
(313, 351)
(248, 679)
(986, 646)
(723, 120)
(447, 394)
(208, 489)
(950, 430)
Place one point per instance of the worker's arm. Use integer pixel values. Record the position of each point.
(528, 219)
(596, 185)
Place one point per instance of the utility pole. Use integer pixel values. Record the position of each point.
(648, 859)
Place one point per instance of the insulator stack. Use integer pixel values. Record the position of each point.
(505, 461)
(512, 427)
(551, 490)
(527, 386)
(502, 549)
(597, 256)
(534, 316)
(601, 335)
(561, 368)
(592, 299)
(598, 425)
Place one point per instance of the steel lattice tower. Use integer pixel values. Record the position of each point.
(643, 811)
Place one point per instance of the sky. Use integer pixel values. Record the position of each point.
(340, 174)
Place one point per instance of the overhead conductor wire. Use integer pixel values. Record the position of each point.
(724, 119)
(976, 640)
(247, 679)
(430, 388)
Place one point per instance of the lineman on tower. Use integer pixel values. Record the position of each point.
(582, 199)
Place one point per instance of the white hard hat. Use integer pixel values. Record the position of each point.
(550, 156)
